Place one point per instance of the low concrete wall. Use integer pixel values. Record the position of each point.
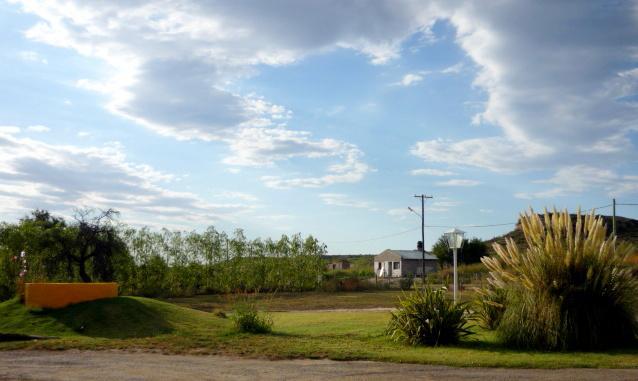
(58, 295)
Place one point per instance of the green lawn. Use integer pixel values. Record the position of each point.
(301, 301)
(146, 324)
(294, 301)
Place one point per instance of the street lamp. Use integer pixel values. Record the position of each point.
(454, 239)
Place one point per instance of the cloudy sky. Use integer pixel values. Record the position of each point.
(320, 117)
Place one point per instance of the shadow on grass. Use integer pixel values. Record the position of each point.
(494, 345)
(115, 318)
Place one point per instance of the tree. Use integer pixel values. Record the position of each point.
(442, 251)
(96, 243)
(471, 251)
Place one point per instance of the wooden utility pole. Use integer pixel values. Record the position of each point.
(613, 218)
(422, 197)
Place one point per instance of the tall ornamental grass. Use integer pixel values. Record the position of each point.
(569, 289)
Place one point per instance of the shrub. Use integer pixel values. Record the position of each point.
(427, 317)
(571, 287)
(489, 306)
(247, 318)
(407, 282)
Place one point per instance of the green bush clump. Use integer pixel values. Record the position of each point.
(489, 307)
(427, 317)
(569, 289)
(247, 318)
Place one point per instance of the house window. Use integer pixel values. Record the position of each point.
(379, 266)
(396, 265)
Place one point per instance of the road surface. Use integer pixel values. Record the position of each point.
(116, 365)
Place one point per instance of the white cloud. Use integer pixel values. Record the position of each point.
(38, 128)
(351, 170)
(60, 178)
(459, 183)
(340, 199)
(83, 134)
(573, 107)
(431, 172)
(9, 130)
(176, 63)
(496, 154)
(31, 56)
(555, 85)
(410, 79)
(581, 178)
(454, 69)
(242, 196)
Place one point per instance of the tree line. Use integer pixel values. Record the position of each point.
(93, 247)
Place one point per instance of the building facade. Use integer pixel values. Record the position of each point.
(403, 263)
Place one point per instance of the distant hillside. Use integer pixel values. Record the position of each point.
(626, 229)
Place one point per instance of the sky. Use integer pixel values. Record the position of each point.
(319, 117)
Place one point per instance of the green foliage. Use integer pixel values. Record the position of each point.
(155, 263)
(247, 318)
(471, 252)
(342, 280)
(467, 274)
(442, 251)
(407, 282)
(489, 307)
(427, 317)
(569, 289)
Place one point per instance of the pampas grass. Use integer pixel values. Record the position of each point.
(569, 289)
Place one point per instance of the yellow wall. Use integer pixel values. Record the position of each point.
(58, 295)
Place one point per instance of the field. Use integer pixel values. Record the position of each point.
(299, 301)
(145, 324)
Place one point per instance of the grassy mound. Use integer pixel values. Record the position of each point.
(116, 318)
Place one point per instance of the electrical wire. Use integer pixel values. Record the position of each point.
(377, 238)
(598, 207)
(460, 226)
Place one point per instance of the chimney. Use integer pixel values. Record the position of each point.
(419, 246)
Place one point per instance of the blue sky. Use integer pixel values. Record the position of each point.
(319, 117)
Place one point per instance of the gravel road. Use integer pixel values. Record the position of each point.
(115, 365)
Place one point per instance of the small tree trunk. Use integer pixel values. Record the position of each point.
(82, 270)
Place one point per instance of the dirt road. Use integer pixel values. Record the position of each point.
(108, 365)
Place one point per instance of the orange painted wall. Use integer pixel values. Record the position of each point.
(58, 295)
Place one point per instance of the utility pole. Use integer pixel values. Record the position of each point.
(422, 197)
(613, 218)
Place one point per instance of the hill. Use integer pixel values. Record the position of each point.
(626, 229)
(115, 318)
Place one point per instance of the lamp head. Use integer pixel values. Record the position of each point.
(454, 238)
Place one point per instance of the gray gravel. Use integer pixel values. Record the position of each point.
(115, 365)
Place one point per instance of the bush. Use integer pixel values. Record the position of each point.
(427, 317)
(406, 283)
(489, 307)
(247, 318)
(571, 287)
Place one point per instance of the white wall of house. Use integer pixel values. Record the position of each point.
(387, 268)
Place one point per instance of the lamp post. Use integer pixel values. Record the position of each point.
(454, 239)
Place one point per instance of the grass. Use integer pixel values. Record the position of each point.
(144, 324)
(289, 301)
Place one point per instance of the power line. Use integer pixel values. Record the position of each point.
(377, 238)
(469, 226)
(463, 226)
(598, 207)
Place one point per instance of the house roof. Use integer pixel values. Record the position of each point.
(411, 254)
